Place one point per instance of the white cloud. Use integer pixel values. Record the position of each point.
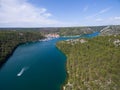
(47, 14)
(108, 21)
(22, 13)
(99, 13)
(104, 10)
(99, 19)
(116, 18)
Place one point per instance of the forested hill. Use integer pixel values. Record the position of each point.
(92, 63)
(9, 40)
(68, 31)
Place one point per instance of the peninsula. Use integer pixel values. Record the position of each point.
(92, 63)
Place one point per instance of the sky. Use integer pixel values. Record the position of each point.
(59, 13)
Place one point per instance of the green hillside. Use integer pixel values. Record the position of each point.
(92, 64)
(9, 40)
(71, 31)
(63, 31)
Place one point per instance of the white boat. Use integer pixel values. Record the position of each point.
(21, 72)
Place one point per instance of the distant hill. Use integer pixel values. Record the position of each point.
(111, 30)
(68, 31)
(79, 30)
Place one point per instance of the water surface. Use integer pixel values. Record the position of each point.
(35, 66)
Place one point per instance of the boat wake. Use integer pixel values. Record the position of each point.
(22, 71)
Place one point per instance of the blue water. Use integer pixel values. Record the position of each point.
(41, 66)
(45, 67)
(92, 34)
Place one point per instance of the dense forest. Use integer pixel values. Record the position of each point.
(10, 39)
(92, 64)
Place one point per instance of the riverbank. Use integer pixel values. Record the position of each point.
(46, 67)
(93, 64)
(10, 40)
(2, 62)
(66, 79)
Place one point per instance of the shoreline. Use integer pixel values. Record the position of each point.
(2, 62)
(67, 75)
(10, 40)
(66, 80)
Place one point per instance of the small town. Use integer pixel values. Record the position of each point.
(52, 35)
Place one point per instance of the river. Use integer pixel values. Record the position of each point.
(35, 66)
